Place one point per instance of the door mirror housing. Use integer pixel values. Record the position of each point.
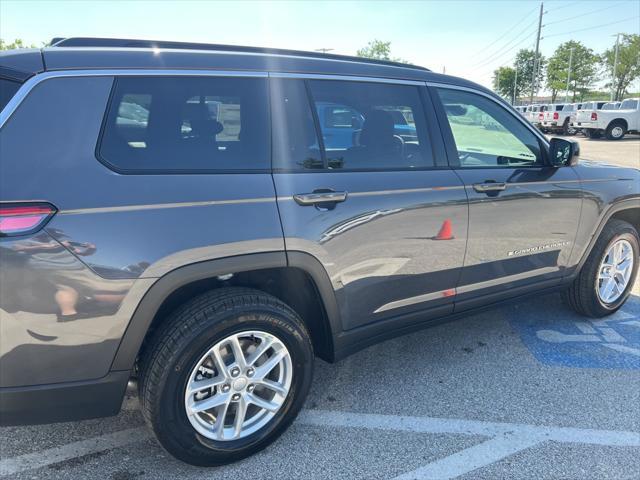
(563, 153)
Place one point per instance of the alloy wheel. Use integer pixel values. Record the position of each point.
(615, 271)
(238, 386)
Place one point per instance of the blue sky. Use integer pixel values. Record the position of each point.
(469, 38)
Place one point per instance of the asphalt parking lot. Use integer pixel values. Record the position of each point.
(625, 152)
(525, 391)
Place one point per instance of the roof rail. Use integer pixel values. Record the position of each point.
(133, 43)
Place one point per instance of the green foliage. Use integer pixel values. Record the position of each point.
(378, 50)
(17, 43)
(628, 68)
(525, 63)
(583, 69)
(503, 82)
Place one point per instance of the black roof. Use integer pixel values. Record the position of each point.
(164, 44)
(121, 54)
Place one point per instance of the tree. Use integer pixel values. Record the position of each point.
(525, 63)
(379, 50)
(503, 81)
(17, 43)
(583, 69)
(628, 67)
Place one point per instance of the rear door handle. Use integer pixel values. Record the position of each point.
(489, 186)
(319, 197)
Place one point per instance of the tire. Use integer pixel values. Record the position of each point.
(568, 129)
(593, 133)
(582, 296)
(616, 131)
(171, 361)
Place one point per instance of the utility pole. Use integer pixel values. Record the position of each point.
(515, 86)
(615, 68)
(534, 80)
(566, 94)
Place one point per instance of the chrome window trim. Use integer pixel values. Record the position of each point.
(350, 78)
(521, 119)
(37, 79)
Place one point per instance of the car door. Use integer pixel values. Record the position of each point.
(523, 213)
(385, 216)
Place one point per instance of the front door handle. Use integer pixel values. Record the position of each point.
(489, 186)
(320, 197)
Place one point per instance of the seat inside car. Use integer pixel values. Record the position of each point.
(377, 141)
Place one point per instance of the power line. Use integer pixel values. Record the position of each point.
(583, 14)
(591, 28)
(500, 52)
(488, 62)
(505, 33)
(564, 6)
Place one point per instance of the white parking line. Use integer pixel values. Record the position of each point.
(469, 427)
(472, 458)
(81, 448)
(506, 439)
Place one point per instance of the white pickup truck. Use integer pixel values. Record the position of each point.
(614, 124)
(557, 118)
(583, 116)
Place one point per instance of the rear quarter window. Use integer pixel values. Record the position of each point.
(187, 125)
(8, 89)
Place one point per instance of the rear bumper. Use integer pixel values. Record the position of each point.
(63, 402)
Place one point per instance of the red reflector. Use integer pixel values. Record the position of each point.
(556, 115)
(594, 116)
(21, 219)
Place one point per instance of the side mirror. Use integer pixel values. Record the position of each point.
(563, 153)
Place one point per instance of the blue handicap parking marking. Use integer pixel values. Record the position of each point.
(572, 341)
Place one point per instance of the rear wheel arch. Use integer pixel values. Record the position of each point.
(303, 284)
(619, 121)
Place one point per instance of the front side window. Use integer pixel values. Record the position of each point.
(487, 135)
(371, 125)
(201, 124)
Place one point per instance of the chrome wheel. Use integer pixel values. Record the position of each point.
(238, 386)
(615, 271)
(617, 132)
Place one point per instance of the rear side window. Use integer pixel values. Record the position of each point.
(629, 105)
(371, 126)
(8, 89)
(187, 124)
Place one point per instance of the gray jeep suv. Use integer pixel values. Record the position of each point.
(184, 214)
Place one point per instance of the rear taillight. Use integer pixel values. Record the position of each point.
(540, 116)
(556, 115)
(594, 116)
(24, 218)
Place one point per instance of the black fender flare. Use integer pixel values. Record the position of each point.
(167, 284)
(626, 204)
